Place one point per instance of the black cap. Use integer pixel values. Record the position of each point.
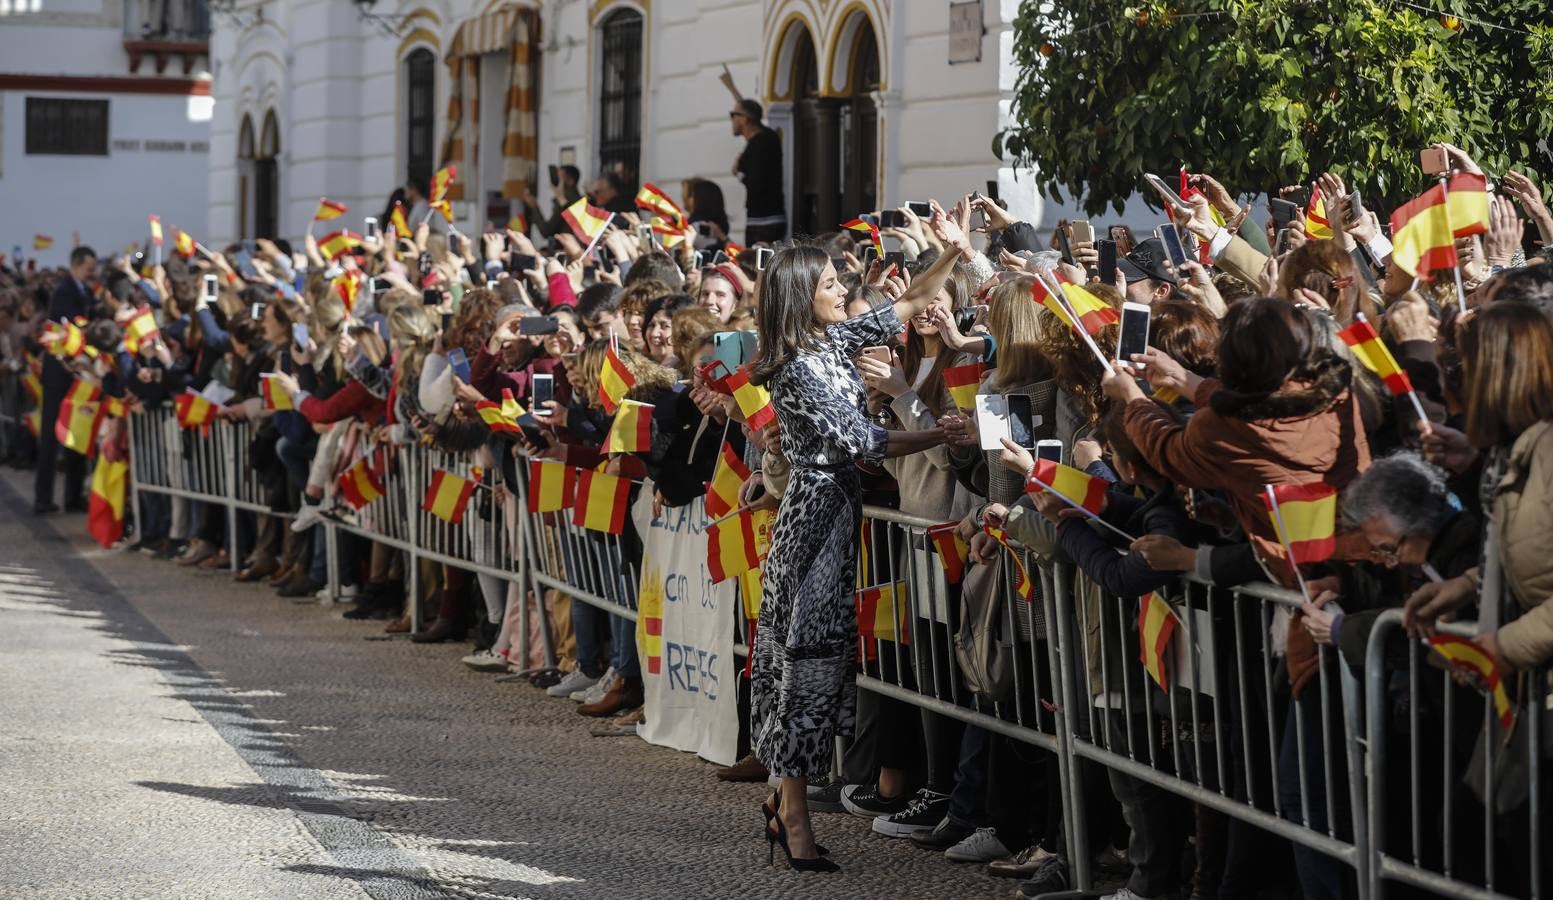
(1147, 260)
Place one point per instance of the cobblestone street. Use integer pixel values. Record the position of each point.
(172, 734)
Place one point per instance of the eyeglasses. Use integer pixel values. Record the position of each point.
(736, 115)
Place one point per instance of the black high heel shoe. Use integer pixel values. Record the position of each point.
(770, 810)
(817, 864)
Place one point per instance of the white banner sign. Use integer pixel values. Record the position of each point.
(684, 636)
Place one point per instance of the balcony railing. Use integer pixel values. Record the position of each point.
(165, 30)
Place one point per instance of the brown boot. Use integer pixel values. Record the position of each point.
(400, 625)
(283, 575)
(623, 694)
(261, 569)
(747, 769)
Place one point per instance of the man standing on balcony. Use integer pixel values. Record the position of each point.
(759, 168)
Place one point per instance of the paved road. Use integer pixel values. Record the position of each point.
(165, 733)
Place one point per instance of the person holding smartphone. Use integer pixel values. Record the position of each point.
(803, 692)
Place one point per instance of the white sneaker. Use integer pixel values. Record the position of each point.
(347, 592)
(573, 682)
(309, 515)
(596, 691)
(486, 661)
(981, 846)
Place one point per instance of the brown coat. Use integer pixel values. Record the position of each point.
(1239, 457)
(1523, 520)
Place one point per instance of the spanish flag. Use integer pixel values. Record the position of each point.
(518, 224)
(140, 329)
(1317, 227)
(76, 427)
(963, 383)
(1368, 347)
(183, 243)
(729, 475)
(275, 396)
(1421, 235)
(400, 223)
(652, 197)
(552, 485)
(670, 234)
(586, 220)
(1467, 204)
(953, 552)
(445, 207)
(615, 381)
(67, 339)
(33, 386)
(359, 485)
(1156, 625)
(156, 229)
(882, 613)
(82, 391)
(501, 417)
(338, 243)
(732, 251)
(1023, 586)
(105, 503)
(1093, 312)
(731, 547)
(347, 287)
(754, 401)
(328, 209)
(749, 597)
(1084, 491)
(42, 242)
(440, 183)
(194, 410)
(113, 406)
(447, 497)
(1468, 657)
(631, 432)
(868, 228)
(1309, 513)
(601, 502)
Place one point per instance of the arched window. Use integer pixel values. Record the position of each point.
(860, 125)
(266, 180)
(620, 91)
(245, 167)
(812, 208)
(420, 78)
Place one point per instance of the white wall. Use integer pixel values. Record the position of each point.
(105, 198)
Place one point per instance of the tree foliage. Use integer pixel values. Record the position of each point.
(1264, 93)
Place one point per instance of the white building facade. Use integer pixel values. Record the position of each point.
(105, 118)
(877, 101)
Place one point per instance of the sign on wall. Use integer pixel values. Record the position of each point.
(965, 32)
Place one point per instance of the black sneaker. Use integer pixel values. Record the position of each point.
(825, 796)
(943, 836)
(920, 816)
(1050, 878)
(866, 801)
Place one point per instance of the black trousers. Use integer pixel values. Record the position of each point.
(48, 457)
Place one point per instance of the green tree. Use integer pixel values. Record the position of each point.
(1264, 93)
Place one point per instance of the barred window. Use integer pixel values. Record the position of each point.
(420, 108)
(620, 90)
(64, 127)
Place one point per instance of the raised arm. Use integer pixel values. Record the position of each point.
(927, 285)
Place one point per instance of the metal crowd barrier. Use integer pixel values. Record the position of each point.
(1216, 738)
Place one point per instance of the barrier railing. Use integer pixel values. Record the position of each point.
(1224, 733)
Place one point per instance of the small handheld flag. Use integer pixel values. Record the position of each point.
(41, 242)
(440, 182)
(552, 486)
(338, 243)
(329, 209)
(602, 500)
(1083, 491)
(447, 497)
(754, 401)
(729, 475)
(1421, 235)
(631, 431)
(501, 417)
(1156, 625)
(359, 485)
(652, 197)
(105, 504)
(870, 229)
(963, 383)
(1372, 351)
(184, 243)
(615, 381)
(400, 223)
(953, 551)
(586, 221)
(140, 329)
(1470, 658)
(156, 230)
(275, 397)
(731, 548)
(1023, 586)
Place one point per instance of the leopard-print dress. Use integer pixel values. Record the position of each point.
(803, 686)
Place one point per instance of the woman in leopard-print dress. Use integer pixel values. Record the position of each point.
(804, 687)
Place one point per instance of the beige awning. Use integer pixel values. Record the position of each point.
(489, 33)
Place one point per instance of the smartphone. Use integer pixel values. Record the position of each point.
(644, 233)
(699, 260)
(555, 177)
(523, 262)
(1064, 247)
(979, 216)
(1171, 238)
(447, 322)
(869, 255)
(1107, 267)
(1281, 244)
(839, 263)
(965, 319)
(299, 335)
(424, 263)
(1081, 232)
(882, 354)
(892, 218)
(431, 297)
(1353, 207)
(458, 361)
(763, 258)
(1283, 212)
(539, 325)
(256, 311)
(992, 191)
(1021, 424)
(1167, 193)
(369, 228)
(897, 258)
(728, 349)
(920, 209)
(1134, 336)
(719, 258)
(1049, 449)
(995, 419)
(380, 286)
(1433, 161)
(543, 390)
(212, 287)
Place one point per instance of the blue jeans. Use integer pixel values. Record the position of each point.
(1320, 875)
(586, 622)
(622, 633)
(156, 516)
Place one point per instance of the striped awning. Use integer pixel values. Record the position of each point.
(489, 33)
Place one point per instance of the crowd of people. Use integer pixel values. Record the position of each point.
(1246, 383)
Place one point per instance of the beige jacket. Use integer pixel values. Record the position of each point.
(1523, 521)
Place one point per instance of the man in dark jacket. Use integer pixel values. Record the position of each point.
(71, 299)
(759, 168)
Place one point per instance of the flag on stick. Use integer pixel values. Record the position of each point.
(338, 243)
(586, 221)
(140, 329)
(631, 431)
(501, 417)
(652, 197)
(731, 548)
(1023, 586)
(728, 476)
(105, 504)
(754, 401)
(359, 485)
(447, 497)
(953, 551)
(1083, 491)
(869, 229)
(275, 397)
(156, 230)
(194, 410)
(1421, 235)
(615, 381)
(1156, 625)
(601, 502)
(41, 242)
(963, 383)
(328, 209)
(1305, 518)
(1469, 657)
(552, 486)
